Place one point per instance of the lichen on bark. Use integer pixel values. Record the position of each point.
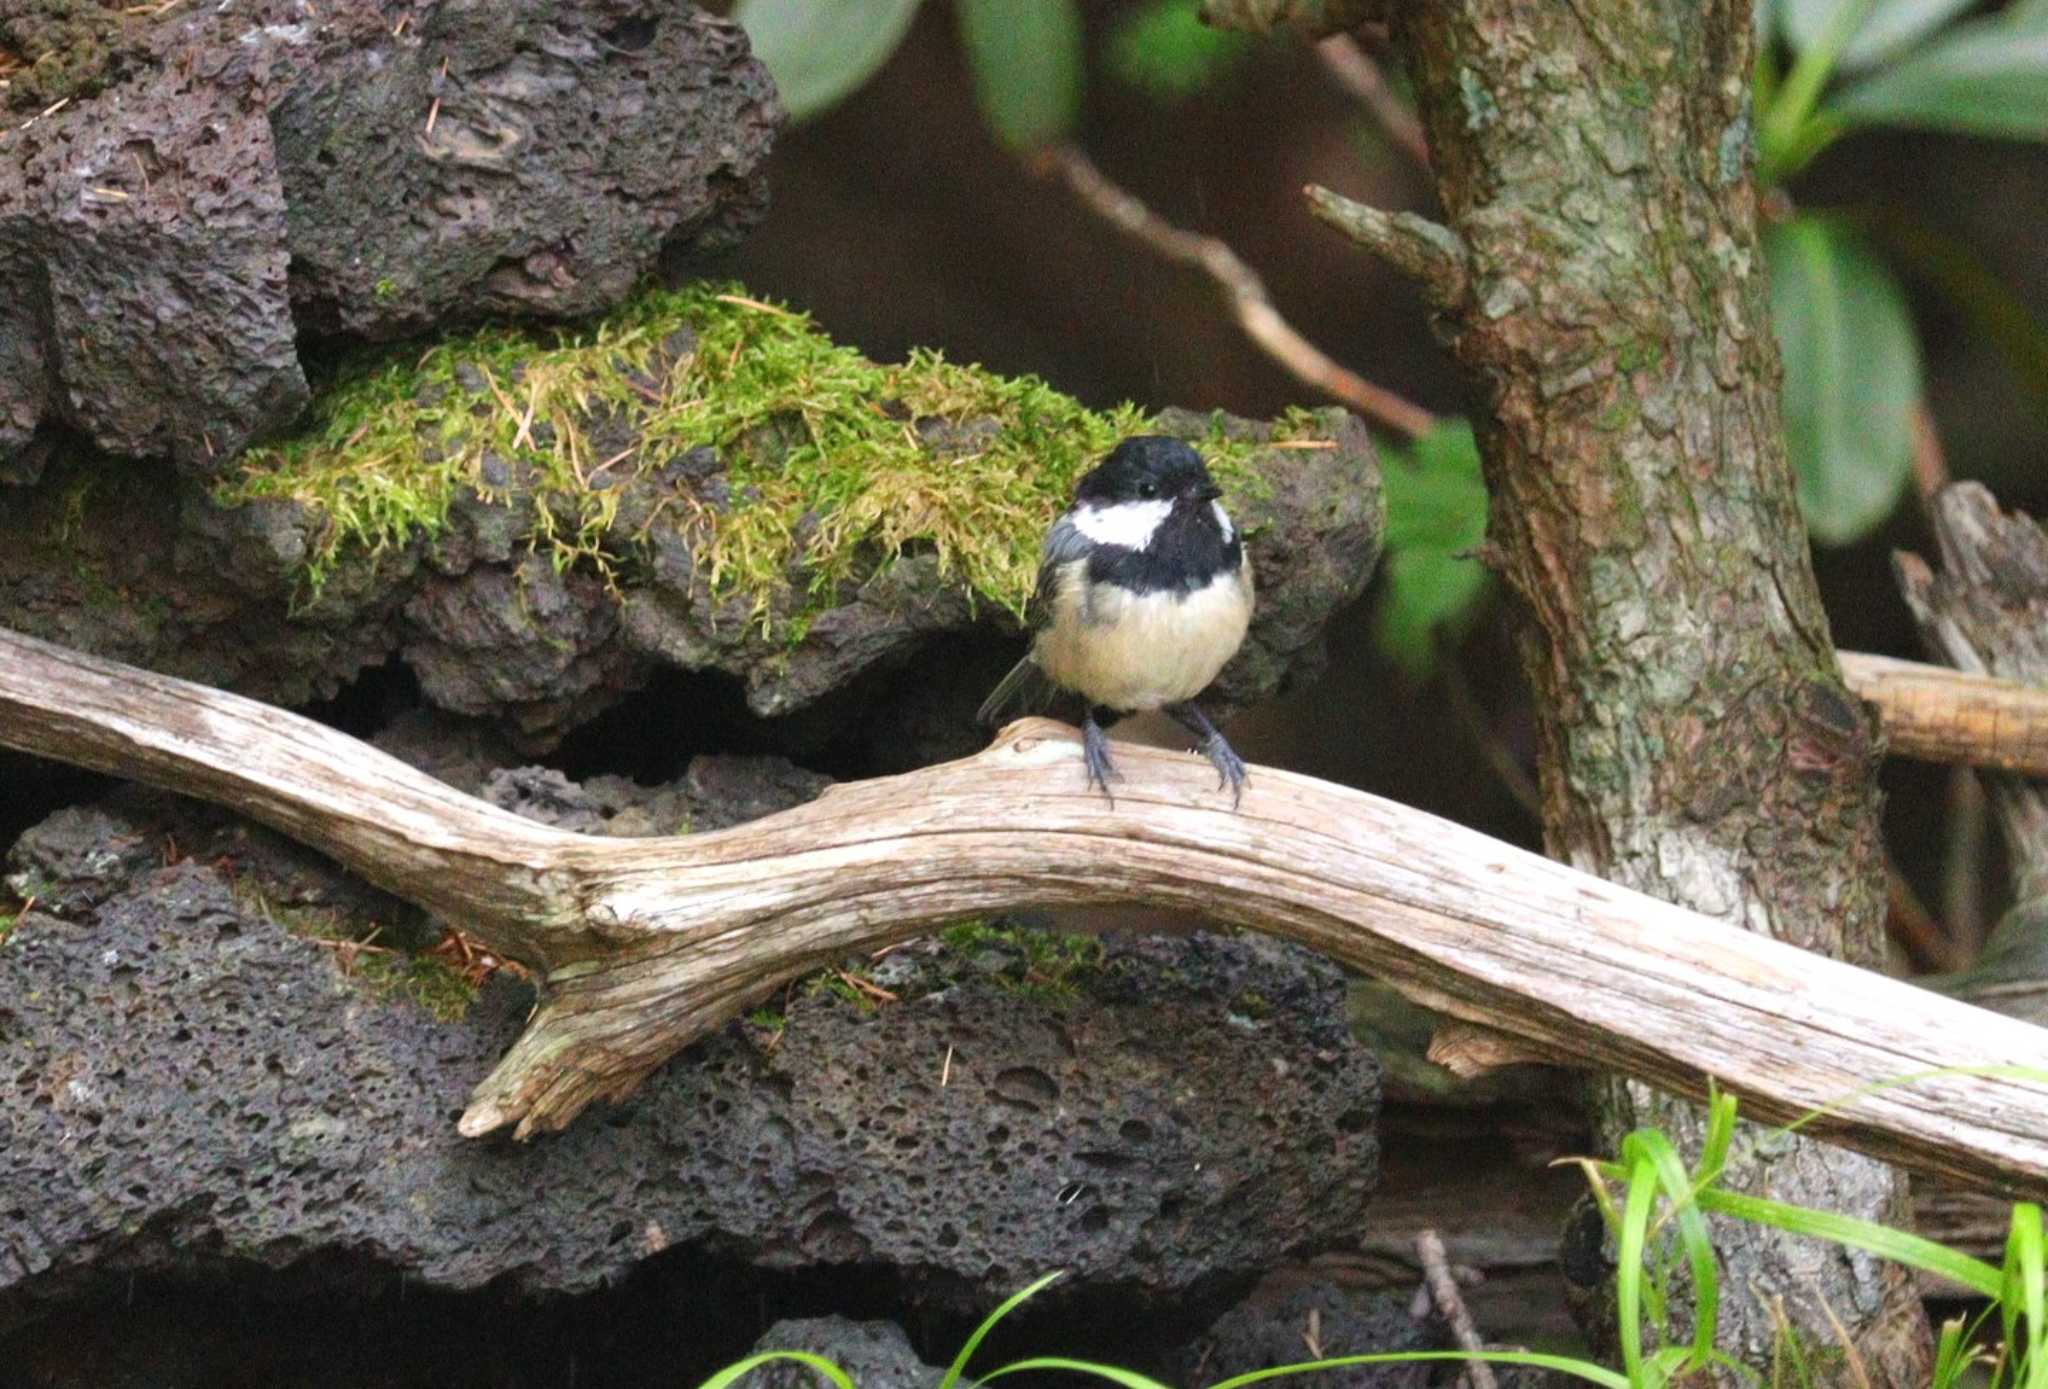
(1697, 740)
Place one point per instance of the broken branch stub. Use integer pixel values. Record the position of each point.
(644, 945)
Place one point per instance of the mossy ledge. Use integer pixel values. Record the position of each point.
(823, 464)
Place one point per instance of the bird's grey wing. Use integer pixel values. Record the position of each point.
(1027, 689)
(1064, 544)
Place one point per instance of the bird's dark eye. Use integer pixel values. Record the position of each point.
(1148, 490)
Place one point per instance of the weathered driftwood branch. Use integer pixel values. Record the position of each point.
(644, 945)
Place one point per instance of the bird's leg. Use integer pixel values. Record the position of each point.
(1095, 750)
(1222, 756)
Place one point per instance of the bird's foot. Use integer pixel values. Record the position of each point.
(1230, 768)
(1095, 752)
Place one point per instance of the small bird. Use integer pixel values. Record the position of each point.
(1145, 590)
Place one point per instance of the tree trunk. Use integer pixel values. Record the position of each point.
(1698, 741)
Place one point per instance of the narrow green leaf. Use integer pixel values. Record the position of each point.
(1881, 1240)
(1586, 1370)
(819, 51)
(1010, 1304)
(740, 1368)
(1631, 1264)
(2026, 1295)
(1115, 1374)
(1852, 376)
(1692, 1229)
(1987, 77)
(1436, 515)
(1890, 27)
(1027, 57)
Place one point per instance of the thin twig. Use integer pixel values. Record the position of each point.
(1962, 859)
(1930, 947)
(1241, 285)
(1930, 464)
(1443, 1290)
(1465, 706)
(1356, 72)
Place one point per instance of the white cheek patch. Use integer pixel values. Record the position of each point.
(1223, 520)
(1128, 524)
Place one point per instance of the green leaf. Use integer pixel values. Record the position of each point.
(819, 51)
(1852, 376)
(988, 1324)
(1027, 57)
(1988, 77)
(1890, 26)
(1164, 50)
(732, 1373)
(1563, 1364)
(1436, 515)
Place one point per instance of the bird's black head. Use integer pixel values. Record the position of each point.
(1147, 468)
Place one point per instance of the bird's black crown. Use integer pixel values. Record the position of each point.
(1146, 467)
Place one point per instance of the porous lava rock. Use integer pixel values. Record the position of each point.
(188, 190)
(188, 1087)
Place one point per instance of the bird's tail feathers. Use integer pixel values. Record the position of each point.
(1025, 690)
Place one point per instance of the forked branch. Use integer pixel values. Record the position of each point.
(644, 945)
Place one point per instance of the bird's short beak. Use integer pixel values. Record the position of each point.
(1208, 493)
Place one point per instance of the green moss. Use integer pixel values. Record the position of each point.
(1050, 965)
(387, 974)
(837, 465)
(8, 921)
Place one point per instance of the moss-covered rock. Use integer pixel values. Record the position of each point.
(538, 520)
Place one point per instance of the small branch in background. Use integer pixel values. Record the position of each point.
(1962, 860)
(1311, 19)
(1430, 254)
(1465, 705)
(1249, 302)
(1443, 1290)
(1930, 464)
(1941, 715)
(1356, 72)
(1926, 943)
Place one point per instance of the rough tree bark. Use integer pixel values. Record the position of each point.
(1601, 279)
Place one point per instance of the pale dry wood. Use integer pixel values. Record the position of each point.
(1941, 715)
(644, 945)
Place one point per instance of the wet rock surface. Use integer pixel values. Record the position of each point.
(1317, 1321)
(186, 190)
(129, 561)
(187, 1088)
(875, 1354)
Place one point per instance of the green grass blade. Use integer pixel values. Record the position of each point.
(1882, 1240)
(1564, 1364)
(819, 1363)
(1692, 1233)
(1115, 1374)
(2024, 1296)
(1010, 1304)
(1630, 1271)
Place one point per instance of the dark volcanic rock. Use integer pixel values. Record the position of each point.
(218, 179)
(1265, 1331)
(875, 1354)
(185, 1087)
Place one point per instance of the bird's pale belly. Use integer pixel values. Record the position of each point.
(1128, 651)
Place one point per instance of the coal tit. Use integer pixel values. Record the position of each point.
(1144, 592)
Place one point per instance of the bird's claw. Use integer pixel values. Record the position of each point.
(1230, 768)
(1095, 752)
